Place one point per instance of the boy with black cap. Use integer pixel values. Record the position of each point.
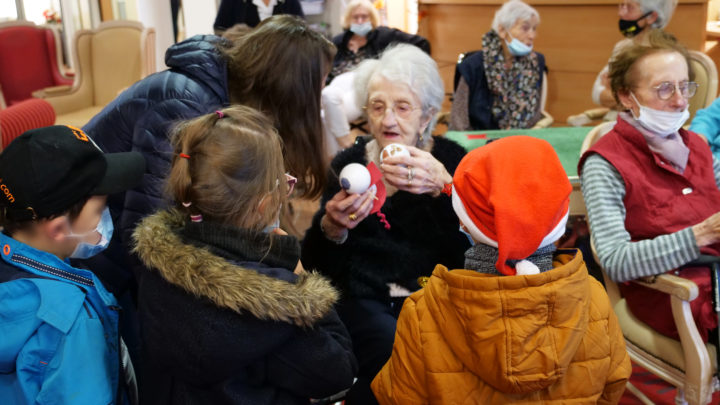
(59, 339)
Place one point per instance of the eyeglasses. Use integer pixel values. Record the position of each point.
(666, 90)
(402, 110)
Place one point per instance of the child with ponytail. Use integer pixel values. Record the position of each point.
(223, 317)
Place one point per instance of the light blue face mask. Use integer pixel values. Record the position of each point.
(470, 239)
(105, 228)
(272, 227)
(361, 29)
(518, 48)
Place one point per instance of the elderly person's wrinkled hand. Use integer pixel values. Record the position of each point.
(345, 211)
(707, 232)
(419, 173)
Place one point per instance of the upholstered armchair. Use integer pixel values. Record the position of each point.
(30, 59)
(108, 60)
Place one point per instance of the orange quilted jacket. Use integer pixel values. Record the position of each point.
(473, 338)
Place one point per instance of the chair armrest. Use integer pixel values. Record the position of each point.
(545, 121)
(52, 91)
(679, 287)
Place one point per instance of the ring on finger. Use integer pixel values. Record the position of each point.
(352, 217)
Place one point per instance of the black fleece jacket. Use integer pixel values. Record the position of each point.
(424, 232)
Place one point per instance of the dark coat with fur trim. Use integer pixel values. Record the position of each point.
(225, 323)
(424, 232)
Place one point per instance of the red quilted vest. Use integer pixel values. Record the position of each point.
(660, 200)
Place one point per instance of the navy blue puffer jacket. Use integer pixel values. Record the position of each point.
(142, 117)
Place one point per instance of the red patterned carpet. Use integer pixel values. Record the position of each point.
(656, 389)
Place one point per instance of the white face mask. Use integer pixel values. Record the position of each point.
(662, 123)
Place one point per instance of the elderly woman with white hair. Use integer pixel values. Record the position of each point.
(370, 257)
(637, 17)
(500, 86)
(362, 39)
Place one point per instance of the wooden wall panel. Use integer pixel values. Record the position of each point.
(575, 36)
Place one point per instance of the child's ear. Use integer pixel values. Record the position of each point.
(56, 229)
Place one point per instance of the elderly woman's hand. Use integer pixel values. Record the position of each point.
(419, 173)
(345, 211)
(707, 232)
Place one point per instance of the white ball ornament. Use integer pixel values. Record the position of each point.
(355, 178)
(392, 150)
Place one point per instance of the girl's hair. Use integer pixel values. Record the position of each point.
(225, 164)
(622, 74)
(367, 5)
(279, 68)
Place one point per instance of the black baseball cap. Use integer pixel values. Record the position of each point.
(44, 171)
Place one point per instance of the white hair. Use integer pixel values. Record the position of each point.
(511, 12)
(663, 8)
(406, 64)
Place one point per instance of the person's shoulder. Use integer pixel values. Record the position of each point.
(447, 150)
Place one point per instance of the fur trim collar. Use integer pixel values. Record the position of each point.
(203, 274)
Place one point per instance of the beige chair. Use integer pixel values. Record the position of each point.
(690, 365)
(107, 60)
(706, 76)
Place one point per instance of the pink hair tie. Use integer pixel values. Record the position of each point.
(184, 155)
(196, 218)
(220, 114)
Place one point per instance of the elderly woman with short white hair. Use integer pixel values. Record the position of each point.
(500, 87)
(636, 18)
(367, 255)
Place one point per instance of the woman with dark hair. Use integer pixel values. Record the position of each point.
(207, 73)
(252, 12)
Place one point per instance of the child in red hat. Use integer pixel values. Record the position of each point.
(523, 322)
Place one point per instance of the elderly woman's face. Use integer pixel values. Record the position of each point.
(525, 30)
(630, 10)
(360, 15)
(651, 72)
(394, 113)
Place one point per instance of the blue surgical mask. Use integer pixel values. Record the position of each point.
(518, 48)
(361, 29)
(105, 228)
(470, 239)
(273, 226)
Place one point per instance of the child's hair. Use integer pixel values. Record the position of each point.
(225, 164)
(12, 226)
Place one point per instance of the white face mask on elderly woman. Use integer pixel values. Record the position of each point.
(662, 123)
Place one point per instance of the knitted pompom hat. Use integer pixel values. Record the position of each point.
(513, 194)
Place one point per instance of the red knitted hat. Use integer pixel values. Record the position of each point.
(512, 194)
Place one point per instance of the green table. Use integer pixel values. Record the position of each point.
(566, 141)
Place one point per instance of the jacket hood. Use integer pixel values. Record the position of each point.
(199, 58)
(227, 285)
(528, 326)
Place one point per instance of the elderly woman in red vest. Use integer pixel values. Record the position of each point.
(651, 187)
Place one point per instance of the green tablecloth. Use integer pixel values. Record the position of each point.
(566, 141)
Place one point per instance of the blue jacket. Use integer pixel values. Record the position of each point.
(59, 338)
(141, 118)
(707, 122)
